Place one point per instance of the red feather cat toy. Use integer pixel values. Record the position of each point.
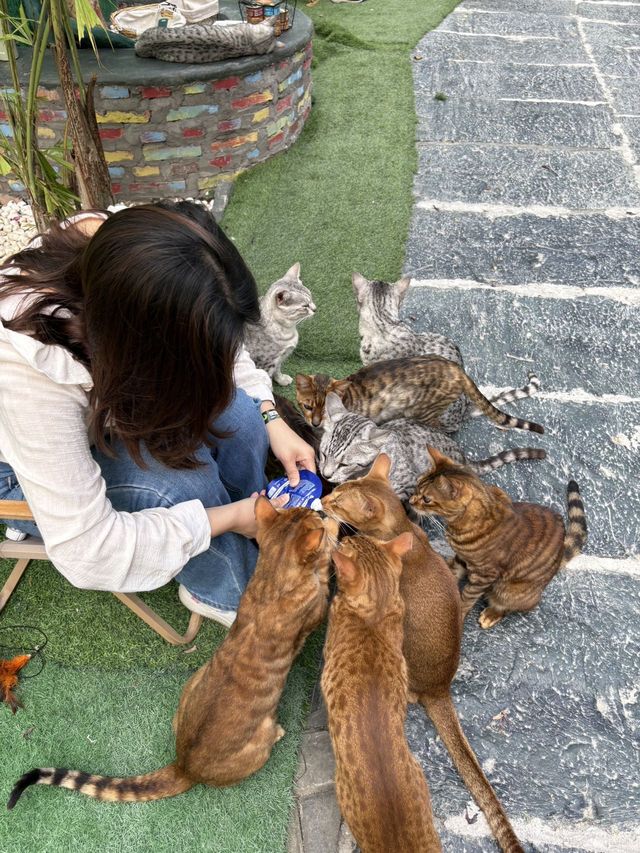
(9, 670)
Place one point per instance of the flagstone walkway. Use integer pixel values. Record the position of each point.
(525, 249)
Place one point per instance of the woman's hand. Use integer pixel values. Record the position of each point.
(291, 450)
(239, 516)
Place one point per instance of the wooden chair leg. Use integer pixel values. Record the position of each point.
(12, 581)
(135, 603)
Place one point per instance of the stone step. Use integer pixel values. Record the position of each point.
(470, 56)
(624, 13)
(626, 94)
(523, 176)
(512, 22)
(548, 702)
(459, 119)
(585, 251)
(589, 343)
(532, 7)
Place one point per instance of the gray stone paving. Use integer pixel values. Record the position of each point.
(525, 248)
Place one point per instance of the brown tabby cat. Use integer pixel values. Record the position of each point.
(432, 625)
(420, 388)
(226, 721)
(507, 551)
(381, 789)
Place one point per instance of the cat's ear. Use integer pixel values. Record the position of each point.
(360, 286)
(334, 407)
(401, 286)
(338, 386)
(346, 569)
(293, 273)
(401, 545)
(264, 511)
(438, 459)
(304, 382)
(380, 468)
(281, 297)
(310, 542)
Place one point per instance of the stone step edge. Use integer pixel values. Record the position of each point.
(495, 211)
(545, 290)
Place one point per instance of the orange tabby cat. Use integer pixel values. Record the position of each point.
(507, 551)
(381, 789)
(432, 625)
(226, 722)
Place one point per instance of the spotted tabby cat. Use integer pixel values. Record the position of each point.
(384, 335)
(271, 341)
(507, 551)
(196, 43)
(312, 390)
(351, 442)
(421, 388)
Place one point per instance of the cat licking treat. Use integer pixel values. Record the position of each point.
(380, 786)
(507, 551)
(432, 625)
(351, 442)
(421, 388)
(272, 340)
(226, 723)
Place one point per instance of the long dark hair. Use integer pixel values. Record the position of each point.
(155, 305)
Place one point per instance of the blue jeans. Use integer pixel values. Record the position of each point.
(230, 471)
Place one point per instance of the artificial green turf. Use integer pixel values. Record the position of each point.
(338, 201)
(119, 723)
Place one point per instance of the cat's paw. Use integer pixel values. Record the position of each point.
(283, 379)
(280, 733)
(489, 617)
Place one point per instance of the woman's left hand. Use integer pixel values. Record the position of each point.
(291, 450)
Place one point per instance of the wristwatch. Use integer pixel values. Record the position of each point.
(270, 415)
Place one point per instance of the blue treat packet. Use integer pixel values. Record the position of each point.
(307, 493)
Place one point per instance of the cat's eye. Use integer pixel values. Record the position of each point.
(307, 407)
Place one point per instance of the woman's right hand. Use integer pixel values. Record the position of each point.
(239, 516)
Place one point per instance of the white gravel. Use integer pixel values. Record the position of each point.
(17, 227)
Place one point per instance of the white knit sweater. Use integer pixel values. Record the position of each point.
(43, 436)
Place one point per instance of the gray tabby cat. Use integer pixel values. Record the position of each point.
(206, 42)
(351, 442)
(274, 338)
(383, 335)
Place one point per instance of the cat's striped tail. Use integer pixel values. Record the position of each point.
(515, 454)
(157, 785)
(444, 717)
(510, 395)
(471, 390)
(576, 534)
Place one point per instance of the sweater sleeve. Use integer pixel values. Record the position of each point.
(43, 436)
(250, 378)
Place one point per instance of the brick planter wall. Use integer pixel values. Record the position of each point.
(183, 129)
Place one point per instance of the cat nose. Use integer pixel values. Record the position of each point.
(316, 420)
(312, 307)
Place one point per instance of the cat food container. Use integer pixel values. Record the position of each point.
(307, 493)
(166, 13)
(255, 14)
(272, 12)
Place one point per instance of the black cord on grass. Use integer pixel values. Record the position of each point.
(35, 651)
